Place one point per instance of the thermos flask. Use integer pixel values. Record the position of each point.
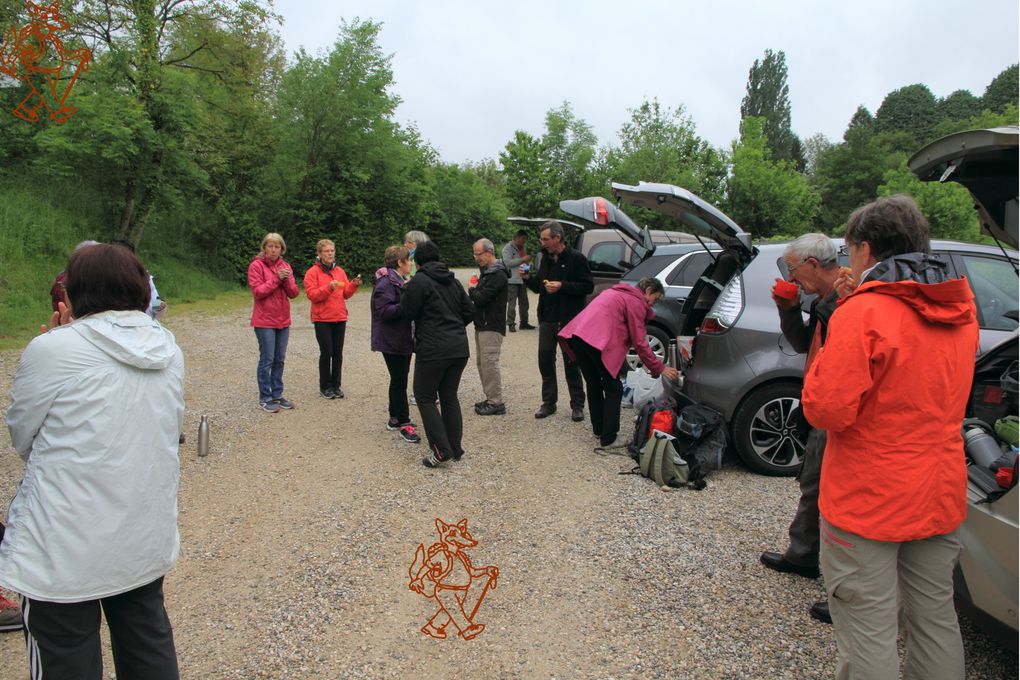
(203, 436)
(672, 359)
(981, 446)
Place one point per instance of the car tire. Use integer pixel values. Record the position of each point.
(658, 340)
(764, 431)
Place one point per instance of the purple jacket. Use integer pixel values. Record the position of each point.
(614, 322)
(391, 332)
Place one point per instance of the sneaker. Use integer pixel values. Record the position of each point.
(434, 459)
(10, 615)
(285, 403)
(269, 407)
(409, 434)
(479, 404)
(393, 424)
(338, 392)
(512, 328)
(412, 401)
(618, 443)
(327, 394)
(491, 410)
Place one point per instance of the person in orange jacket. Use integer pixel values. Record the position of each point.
(327, 286)
(891, 385)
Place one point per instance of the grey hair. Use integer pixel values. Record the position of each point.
(554, 227)
(650, 284)
(818, 246)
(486, 244)
(84, 244)
(416, 237)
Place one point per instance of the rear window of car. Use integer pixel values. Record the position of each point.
(650, 267)
(994, 283)
(690, 270)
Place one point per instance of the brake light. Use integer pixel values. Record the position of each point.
(601, 211)
(726, 308)
(710, 325)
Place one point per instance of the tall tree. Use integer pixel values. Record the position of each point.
(768, 97)
(948, 206)
(1003, 90)
(531, 186)
(910, 109)
(569, 145)
(957, 106)
(814, 147)
(862, 119)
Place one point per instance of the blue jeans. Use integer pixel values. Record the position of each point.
(272, 351)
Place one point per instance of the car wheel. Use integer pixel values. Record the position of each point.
(764, 430)
(657, 339)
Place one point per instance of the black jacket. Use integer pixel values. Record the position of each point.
(798, 333)
(440, 309)
(572, 269)
(489, 298)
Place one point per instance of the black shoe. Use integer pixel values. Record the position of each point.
(479, 404)
(820, 611)
(338, 393)
(527, 327)
(577, 414)
(777, 562)
(512, 328)
(434, 459)
(491, 410)
(327, 394)
(545, 411)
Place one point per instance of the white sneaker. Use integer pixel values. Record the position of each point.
(412, 401)
(618, 443)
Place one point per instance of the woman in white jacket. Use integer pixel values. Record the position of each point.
(96, 411)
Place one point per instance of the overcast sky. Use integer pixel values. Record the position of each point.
(471, 72)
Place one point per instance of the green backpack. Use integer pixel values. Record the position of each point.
(660, 461)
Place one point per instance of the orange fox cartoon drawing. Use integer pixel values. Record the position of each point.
(445, 574)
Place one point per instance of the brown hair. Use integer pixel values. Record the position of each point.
(394, 255)
(891, 226)
(273, 236)
(106, 277)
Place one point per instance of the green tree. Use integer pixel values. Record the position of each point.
(985, 119)
(768, 197)
(768, 97)
(814, 147)
(1003, 90)
(569, 146)
(862, 119)
(910, 109)
(948, 206)
(467, 209)
(531, 183)
(957, 106)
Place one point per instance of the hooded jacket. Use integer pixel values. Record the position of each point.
(391, 332)
(891, 385)
(271, 307)
(613, 323)
(96, 411)
(328, 305)
(440, 309)
(489, 299)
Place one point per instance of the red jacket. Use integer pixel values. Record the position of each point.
(891, 385)
(328, 305)
(272, 306)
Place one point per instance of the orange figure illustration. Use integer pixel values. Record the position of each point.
(41, 54)
(445, 574)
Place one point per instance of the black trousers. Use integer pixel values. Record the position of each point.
(442, 429)
(605, 391)
(547, 367)
(63, 638)
(398, 366)
(330, 336)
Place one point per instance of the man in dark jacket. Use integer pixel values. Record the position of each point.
(440, 309)
(562, 282)
(489, 299)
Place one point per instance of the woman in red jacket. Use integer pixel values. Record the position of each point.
(272, 286)
(326, 285)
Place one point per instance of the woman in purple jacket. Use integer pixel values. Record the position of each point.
(599, 337)
(272, 286)
(391, 335)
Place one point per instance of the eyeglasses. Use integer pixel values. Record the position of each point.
(844, 250)
(796, 266)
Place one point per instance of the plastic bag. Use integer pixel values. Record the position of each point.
(645, 388)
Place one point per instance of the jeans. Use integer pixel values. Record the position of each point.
(330, 336)
(272, 351)
(605, 391)
(398, 366)
(442, 429)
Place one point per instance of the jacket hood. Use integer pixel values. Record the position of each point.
(129, 337)
(495, 266)
(920, 281)
(635, 292)
(437, 271)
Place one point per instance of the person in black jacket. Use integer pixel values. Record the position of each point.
(489, 299)
(562, 282)
(440, 309)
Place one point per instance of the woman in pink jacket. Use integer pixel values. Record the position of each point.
(599, 337)
(326, 285)
(272, 286)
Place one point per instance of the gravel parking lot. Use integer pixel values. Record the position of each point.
(298, 529)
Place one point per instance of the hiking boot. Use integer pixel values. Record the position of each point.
(338, 392)
(479, 404)
(577, 414)
(327, 394)
(527, 326)
(409, 434)
(512, 328)
(491, 410)
(285, 403)
(10, 615)
(545, 411)
(269, 406)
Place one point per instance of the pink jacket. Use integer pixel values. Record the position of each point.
(614, 322)
(272, 306)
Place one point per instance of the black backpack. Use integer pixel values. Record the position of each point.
(643, 420)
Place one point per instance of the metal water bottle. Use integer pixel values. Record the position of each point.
(203, 436)
(672, 358)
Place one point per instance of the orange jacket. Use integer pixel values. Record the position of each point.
(891, 385)
(328, 305)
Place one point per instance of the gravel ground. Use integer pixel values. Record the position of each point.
(297, 532)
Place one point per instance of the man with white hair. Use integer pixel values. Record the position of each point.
(489, 299)
(812, 263)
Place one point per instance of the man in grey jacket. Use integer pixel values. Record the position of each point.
(514, 255)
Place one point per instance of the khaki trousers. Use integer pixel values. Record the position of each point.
(871, 584)
(488, 345)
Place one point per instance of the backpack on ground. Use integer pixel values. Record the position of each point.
(661, 410)
(660, 461)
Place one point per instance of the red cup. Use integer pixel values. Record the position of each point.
(785, 289)
(474, 280)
